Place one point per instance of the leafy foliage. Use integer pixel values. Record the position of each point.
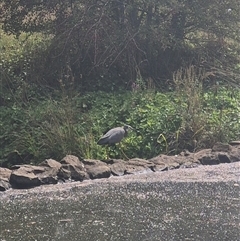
(107, 44)
(18, 62)
(52, 128)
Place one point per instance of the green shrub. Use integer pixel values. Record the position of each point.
(208, 116)
(20, 63)
(72, 124)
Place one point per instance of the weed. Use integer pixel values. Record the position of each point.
(203, 112)
(54, 127)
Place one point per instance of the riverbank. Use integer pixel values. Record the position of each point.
(226, 172)
(71, 169)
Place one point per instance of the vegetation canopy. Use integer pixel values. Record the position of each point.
(107, 44)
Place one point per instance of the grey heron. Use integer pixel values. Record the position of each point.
(114, 136)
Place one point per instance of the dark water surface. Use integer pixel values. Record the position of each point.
(124, 211)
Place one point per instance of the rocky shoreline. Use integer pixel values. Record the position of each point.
(71, 168)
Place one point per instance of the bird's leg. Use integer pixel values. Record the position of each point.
(123, 152)
(107, 151)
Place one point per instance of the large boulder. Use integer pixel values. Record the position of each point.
(132, 166)
(5, 174)
(50, 175)
(164, 162)
(71, 160)
(184, 160)
(117, 167)
(72, 169)
(4, 185)
(207, 157)
(138, 165)
(97, 169)
(26, 176)
(235, 144)
(51, 163)
(220, 153)
(221, 147)
(234, 154)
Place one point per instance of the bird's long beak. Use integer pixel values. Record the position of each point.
(128, 127)
(131, 128)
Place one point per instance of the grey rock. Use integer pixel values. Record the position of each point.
(71, 172)
(164, 162)
(5, 174)
(189, 165)
(118, 167)
(132, 166)
(234, 143)
(72, 168)
(221, 147)
(4, 185)
(72, 160)
(221, 153)
(97, 168)
(50, 176)
(25, 176)
(234, 154)
(223, 157)
(207, 157)
(138, 165)
(51, 163)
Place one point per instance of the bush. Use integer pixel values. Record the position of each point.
(72, 124)
(21, 60)
(105, 44)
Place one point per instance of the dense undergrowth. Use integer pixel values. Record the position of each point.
(52, 127)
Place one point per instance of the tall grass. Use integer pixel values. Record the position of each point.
(206, 113)
(164, 123)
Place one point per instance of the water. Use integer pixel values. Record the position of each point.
(124, 211)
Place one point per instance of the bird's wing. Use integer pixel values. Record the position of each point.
(112, 136)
